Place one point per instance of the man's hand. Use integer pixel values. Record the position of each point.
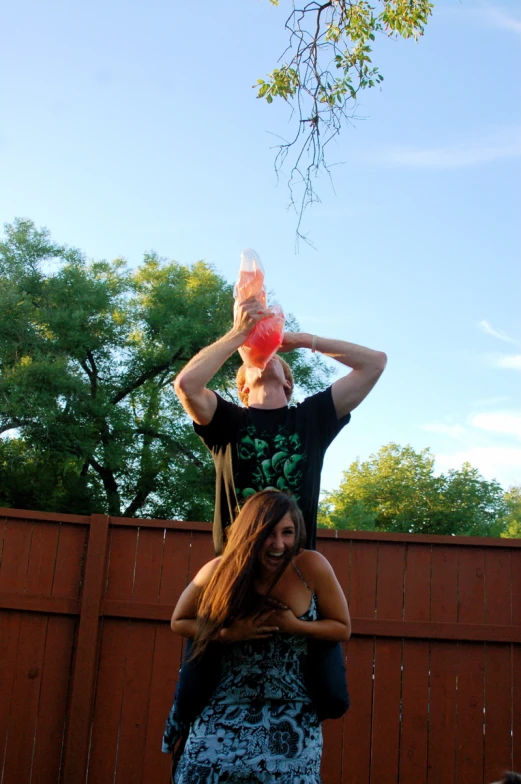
(293, 340)
(247, 314)
(253, 628)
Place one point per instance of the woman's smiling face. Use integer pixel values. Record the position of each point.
(278, 545)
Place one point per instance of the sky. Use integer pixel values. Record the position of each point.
(128, 127)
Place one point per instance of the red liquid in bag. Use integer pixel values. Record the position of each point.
(266, 337)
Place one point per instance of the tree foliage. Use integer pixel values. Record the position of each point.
(88, 351)
(327, 63)
(512, 520)
(397, 490)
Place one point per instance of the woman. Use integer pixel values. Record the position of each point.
(262, 600)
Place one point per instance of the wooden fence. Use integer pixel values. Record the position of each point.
(89, 665)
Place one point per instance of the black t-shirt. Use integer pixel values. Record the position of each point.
(255, 448)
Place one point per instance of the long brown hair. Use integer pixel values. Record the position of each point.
(230, 593)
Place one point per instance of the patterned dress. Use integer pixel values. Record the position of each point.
(260, 725)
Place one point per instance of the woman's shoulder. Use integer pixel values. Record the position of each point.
(313, 565)
(204, 575)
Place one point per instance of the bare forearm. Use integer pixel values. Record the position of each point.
(203, 367)
(184, 627)
(326, 629)
(349, 354)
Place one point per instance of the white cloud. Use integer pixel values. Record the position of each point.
(493, 462)
(496, 333)
(503, 143)
(509, 361)
(499, 422)
(455, 431)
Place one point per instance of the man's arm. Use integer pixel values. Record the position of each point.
(190, 384)
(367, 367)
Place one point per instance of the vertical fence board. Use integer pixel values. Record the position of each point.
(338, 554)
(415, 675)
(516, 702)
(42, 560)
(122, 563)
(9, 633)
(201, 551)
(25, 697)
(443, 669)
(358, 721)
(471, 667)
(498, 710)
(387, 671)
(167, 655)
(109, 696)
(363, 580)
(70, 556)
(15, 555)
(85, 661)
(52, 705)
(134, 708)
(139, 659)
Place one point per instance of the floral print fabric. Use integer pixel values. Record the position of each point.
(260, 725)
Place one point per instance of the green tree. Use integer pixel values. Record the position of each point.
(397, 490)
(88, 352)
(327, 63)
(512, 519)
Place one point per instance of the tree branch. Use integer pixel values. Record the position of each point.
(150, 373)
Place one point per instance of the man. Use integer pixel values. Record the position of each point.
(269, 443)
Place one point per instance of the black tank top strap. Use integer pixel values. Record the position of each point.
(301, 577)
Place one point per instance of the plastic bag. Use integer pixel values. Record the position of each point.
(266, 336)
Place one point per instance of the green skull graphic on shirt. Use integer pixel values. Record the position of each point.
(269, 460)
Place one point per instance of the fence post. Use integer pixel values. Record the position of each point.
(85, 661)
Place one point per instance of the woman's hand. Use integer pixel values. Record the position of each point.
(253, 628)
(286, 620)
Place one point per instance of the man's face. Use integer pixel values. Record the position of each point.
(273, 372)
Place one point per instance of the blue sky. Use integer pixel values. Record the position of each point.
(129, 126)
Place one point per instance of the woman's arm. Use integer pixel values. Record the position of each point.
(335, 623)
(184, 617)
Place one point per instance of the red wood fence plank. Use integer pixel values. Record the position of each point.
(176, 564)
(417, 583)
(109, 697)
(363, 580)
(201, 551)
(471, 585)
(443, 669)
(498, 710)
(85, 664)
(42, 559)
(415, 701)
(358, 721)
(444, 584)
(385, 753)
(25, 698)
(415, 675)
(390, 582)
(139, 659)
(134, 708)
(69, 561)
(516, 702)
(52, 705)
(15, 555)
(498, 587)
(339, 556)
(469, 736)
(122, 563)
(9, 634)
(167, 657)
(471, 667)
(442, 714)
